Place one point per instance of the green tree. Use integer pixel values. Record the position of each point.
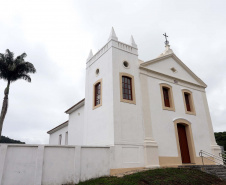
(221, 139)
(5, 139)
(11, 70)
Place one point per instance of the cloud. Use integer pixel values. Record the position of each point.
(57, 36)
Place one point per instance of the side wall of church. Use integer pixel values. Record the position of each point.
(76, 127)
(54, 137)
(99, 121)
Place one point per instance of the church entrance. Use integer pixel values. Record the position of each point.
(184, 149)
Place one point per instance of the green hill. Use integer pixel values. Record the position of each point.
(164, 176)
(9, 140)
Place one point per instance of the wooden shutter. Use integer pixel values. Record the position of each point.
(187, 101)
(166, 96)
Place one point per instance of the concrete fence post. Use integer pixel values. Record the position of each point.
(39, 165)
(77, 164)
(3, 150)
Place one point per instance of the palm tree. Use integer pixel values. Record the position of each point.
(11, 70)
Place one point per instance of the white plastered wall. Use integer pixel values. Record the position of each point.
(162, 120)
(127, 117)
(128, 125)
(51, 164)
(54, 137)
(98, 123)
(76, 127)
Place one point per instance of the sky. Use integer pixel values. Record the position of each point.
(57, 36)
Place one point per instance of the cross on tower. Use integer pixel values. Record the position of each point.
(166, 42)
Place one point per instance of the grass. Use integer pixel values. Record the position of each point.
(168, 176)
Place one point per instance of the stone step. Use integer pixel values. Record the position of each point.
(221, 173)
(200, 165)
(214, 171)
(222, 176)
(218, 170)
(204, 167)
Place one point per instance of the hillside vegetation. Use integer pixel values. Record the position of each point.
(221, 139)
(9, 140)
(166, 176)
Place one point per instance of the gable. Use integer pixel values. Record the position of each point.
(165, 64)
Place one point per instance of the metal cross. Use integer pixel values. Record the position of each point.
(167, 42)
(165, 36)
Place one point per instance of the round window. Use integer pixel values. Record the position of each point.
(125, 64)
(97, 71)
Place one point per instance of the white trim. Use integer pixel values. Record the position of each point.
(76, 107)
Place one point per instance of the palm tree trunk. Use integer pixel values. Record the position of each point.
(4, 107)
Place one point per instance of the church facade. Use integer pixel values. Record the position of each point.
(151, 114)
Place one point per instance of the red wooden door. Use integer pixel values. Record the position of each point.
(183, 143)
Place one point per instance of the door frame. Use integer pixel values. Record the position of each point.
(191, 146)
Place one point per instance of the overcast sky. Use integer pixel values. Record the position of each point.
(58, 34)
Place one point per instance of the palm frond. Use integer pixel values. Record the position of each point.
(20, 58)
(9, 56)
(22, 76)
(12, 69)
(23, 55)
(2, 57)
(25, 67)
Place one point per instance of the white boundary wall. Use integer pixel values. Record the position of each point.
(51, 164)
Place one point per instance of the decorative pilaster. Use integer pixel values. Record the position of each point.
(150, 146)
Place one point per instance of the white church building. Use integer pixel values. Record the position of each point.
(151, 114)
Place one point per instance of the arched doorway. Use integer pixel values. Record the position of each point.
(183, 142)
(184, 139)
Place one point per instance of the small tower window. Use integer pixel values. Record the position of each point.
(127, 88)
(97, 71)
(125, 64)
(97, 94)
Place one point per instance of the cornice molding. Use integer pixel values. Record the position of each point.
(172, 55)
(170, 79)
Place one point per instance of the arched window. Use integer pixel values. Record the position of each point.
(188, 102)
(167, 97)
(97, 89)
(127, 89)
